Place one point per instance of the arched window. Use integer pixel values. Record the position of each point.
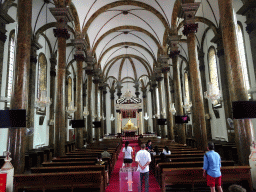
(213, 71)
(242, 55)
(10, 65)
(186, 88)
(69, 90)
(42, 76)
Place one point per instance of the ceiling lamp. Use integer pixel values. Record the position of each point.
(112, 118)
(146, 117)
(213, 94)
(172, 109)
(85, 112)
(43, 101)
(71, 109)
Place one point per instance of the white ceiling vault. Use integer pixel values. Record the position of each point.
(126, 36)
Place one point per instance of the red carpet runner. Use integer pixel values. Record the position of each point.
(114, 178)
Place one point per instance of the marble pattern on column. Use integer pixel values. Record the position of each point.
(170, 132)
(60, 115)
(162, 128)
(237, 90)
(144, 96)
(97, 130)
(79, 103)
(112, 98)
(89, 117)
(19, 99)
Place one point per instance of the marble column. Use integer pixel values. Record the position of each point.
(62, 15)
(85, 106)
(89, 108)
(170, 132)
(97, 130)
(112, 98)
(4, 20)
(104, 111)
(145, 108)
(141, 123)
(178, 99)
(237, 90)
(79, 101)
(162, 128)
(32, 90)
(197, 97)
(53, 62)
(224, 84)
(249, 10)
(204, 88)
(80, 46)
(101, 114)
(154, 110)
(19, 100)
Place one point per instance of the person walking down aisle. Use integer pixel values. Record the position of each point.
(143, 159)
(212, 164)
(127, 150)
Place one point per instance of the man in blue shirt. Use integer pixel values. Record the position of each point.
(212, 164)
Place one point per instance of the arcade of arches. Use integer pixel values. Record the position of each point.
(88, 54)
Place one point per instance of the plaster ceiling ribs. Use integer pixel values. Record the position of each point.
(113, 61)
(126, 27)
(121, 3)
(133, 68)
(48, 42)
(124, 44)
(120, 69)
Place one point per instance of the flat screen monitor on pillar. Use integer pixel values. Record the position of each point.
(181, 119)
(12, 118)
(77, 123)
(244, 109)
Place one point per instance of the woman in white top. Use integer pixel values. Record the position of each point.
(127, 150)
(166, 151)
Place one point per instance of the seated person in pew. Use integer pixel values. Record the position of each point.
(149, 146)
(156, 151)
(166, 151)
(99, 160)
(211, 167)
(105, 153)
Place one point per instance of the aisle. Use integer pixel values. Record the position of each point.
(114, 179)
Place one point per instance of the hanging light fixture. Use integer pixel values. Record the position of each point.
(213, 94)
(146, 117)
(187, 105)
(163, 113)
(71, 109)
(85, 112)
(112, 118)
(172, 109)
(43, 101)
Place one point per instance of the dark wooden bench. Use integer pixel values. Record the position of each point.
(190, 164)
(68, 181)
(194, 176)
(73, 169)
(68, 163)
(75, 159)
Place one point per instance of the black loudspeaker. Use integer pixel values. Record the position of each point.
(41, 120)
(181, 119)
(12, 118)
(97, 124)
(161, 121)
(216, 113)
(78, 123)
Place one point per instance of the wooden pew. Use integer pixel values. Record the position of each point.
(194, 176)
(68, 181)
(189, 164)
(73, 169)
(68, 163)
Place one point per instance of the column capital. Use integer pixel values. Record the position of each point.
(80, 45)
(188, 12)
(144, 92)
(35, 46)
(4, 20)
(163, 60)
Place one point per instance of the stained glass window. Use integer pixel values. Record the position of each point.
(241, 48)
(11, 65)
(213, 71)
(42, 75)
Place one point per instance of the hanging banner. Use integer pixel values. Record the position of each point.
(3, 177)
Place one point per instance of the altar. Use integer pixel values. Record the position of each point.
(129, 129)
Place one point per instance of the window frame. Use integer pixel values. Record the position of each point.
(239, 24)
(11, 35)
(38, 110)
(219, 104)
